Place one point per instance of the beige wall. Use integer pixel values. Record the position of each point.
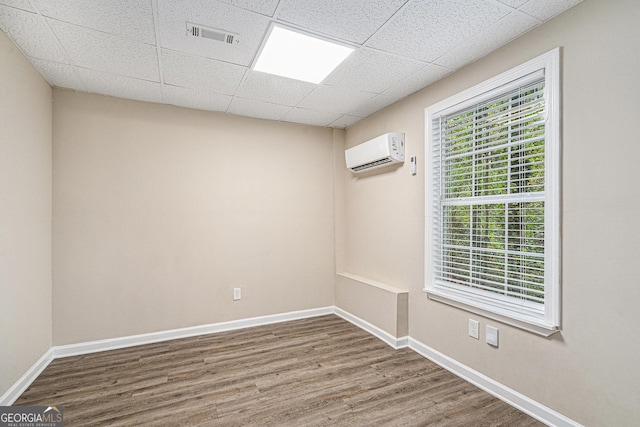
(159, 212)
(25, 215)
(589, 371)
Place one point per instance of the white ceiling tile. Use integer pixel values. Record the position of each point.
(129, 18)
(425, 30)
(513, 3)
(119, 86)
(201, 73)
(264, 7)
(372, 70)
(547, 9)
(353, 20)
(344, 121)
(30, 32)
(417, 81)
(372, 105)
(20, 4)
(274, 89)
(195, 98)
(250, 29)
(335, 99)
(109, 47)
(259, 109)
(105, 52)
(310, 117)
(58, 75)
(508, 28)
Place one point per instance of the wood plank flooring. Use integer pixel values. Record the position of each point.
(321, 371)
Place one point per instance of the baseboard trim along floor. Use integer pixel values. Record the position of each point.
(26, 379)
(384, 336)
(153, 337)
(502, 392)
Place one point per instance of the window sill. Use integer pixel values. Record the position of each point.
(533, 326)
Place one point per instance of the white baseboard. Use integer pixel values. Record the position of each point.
(394, 342)
(154, 337)
(14, 392)
(510, 396)
(501, 391)
(25, 380)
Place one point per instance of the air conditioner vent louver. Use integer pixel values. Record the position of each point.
(200, 31)
(371, 164)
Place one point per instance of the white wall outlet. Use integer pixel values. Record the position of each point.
(474, 329)
(492, 335)
(237, 294)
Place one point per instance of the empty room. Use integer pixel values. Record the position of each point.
(300, 212)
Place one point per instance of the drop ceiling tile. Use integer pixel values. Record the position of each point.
(263, 7)
(196, 72)
(30, 32)
(345, 121)
(425, 30)
(372, 70)
(270, 88)
(503, 31)
(58, 75)
(335, 99)
(20, 4)
(249, 28)
(513, 3)
(310, 117)
(259, 109)
(105, 52)
(371, 106)
(120, 86)
(547, 9)
(353, 20)
(194, 98)
(129, 18)
(417, 81)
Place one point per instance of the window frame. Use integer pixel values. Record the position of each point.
(487, 303)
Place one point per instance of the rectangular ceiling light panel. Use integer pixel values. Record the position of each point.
(299, 56)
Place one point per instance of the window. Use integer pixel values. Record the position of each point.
(493, 216)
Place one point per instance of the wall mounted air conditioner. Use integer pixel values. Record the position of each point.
(384, 150)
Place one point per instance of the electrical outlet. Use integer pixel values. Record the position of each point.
(492, 335)
(237, 294)
(474, 329)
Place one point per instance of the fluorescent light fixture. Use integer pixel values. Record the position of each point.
(299, 56)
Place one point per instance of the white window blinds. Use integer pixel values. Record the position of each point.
(488, 199)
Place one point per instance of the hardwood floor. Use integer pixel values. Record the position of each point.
(321, 371)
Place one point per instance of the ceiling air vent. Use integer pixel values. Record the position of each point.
(195, 30)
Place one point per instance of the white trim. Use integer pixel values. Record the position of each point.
(501, 391)
(531, 325)
(26, 379)
(395, 342)
(548, 323)
(460, 100)
(154, 337)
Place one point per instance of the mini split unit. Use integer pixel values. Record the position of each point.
(384, 150)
